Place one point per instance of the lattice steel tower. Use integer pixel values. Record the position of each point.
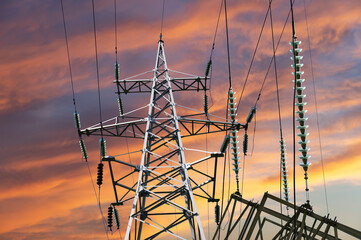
(163, 195)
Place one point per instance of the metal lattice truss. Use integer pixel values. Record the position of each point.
(252, 222)
(163, 195)
(116, 127)
(191, 83)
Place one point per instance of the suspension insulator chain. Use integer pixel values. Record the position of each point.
(120, 106)
(205, 98)
(116, 76)
(300, 103)
(245, 136)
(284, 170)
(116, 217)
(100, 174)
(83, 149)
(81, 141)
(110, 217)
(205, 104)
(116, 71)
(245, 144)
(232, 113)
(208, 68)
(217, 213)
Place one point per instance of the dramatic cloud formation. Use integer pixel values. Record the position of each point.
(46, 191)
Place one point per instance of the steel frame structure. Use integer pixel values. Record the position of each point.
(295, 227)
(163, 196)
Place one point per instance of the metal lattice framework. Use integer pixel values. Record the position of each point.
(253, 218)
(164, 194)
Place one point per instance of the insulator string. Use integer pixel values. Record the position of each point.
(77, 122)
(98, 200)
(254, 133)
(293, 121)
(316, 107)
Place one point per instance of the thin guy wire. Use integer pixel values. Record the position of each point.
(271, 61)
(97, 68)
(316, 106)
(278, 96)
(216, 31)
(72, 86)
(211, 55)
(67, 51)
(230, 85)
(115, 31)
(161, 26)
(99, 99)
(228, 53)
(253, 56)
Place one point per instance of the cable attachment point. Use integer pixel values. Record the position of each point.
(300, 103)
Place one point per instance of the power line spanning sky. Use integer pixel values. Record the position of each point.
(46, 192)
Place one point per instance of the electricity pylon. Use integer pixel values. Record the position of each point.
(163, 194)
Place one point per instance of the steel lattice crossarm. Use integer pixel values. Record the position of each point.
(136, 128)
(186, 83)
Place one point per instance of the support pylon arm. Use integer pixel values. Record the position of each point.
(136, 128)
(178, 84)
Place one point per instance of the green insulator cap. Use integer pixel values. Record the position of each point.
(103, 147)
(83, 149)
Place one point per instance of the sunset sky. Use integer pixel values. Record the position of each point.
(46, 191)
